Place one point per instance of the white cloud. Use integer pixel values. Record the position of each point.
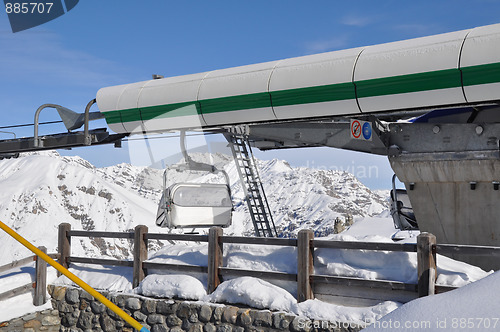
(332, 44)
(357, 20)
(40, 56)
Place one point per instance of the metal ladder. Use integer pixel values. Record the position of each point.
(252, 185)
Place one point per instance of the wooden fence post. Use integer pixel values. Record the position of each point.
(426, 260)
(305, 265)
(215, 256)
(140, 253)
(64, 245)
(40, 296)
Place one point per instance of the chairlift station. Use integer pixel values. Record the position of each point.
(431, 105)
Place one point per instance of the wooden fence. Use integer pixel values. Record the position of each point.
(337, 289)
(40, 283)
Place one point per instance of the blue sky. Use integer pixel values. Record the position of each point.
(107, 42)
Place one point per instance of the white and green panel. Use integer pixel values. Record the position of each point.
(318, 85)
(237, 95)
(413, 73)
(171, 103)
(480, 64)
(446, 69)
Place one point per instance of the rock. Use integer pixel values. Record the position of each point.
(155, 319)
(148, 307)
(300, 324)
(140, 316)
(193, 318)
(33, 324)
(51, 321)
(72, 296)
(176, 329)
(58, 292)
(84, 305)
(64, 307)
(97, 307)
(86, 296)
(244, 318)
(224, 328)
(196, 328)
(29, 317)
(160, 328)
(85, 321)
(173, 320)
(205, 313)
(184, 310)
(230, 315)
(133, 303)
(261, 318)
(69, 320)
(209, 328)
(166, 308)
(217, 314)
(107, 323)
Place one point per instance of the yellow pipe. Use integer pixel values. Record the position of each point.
(135, 324)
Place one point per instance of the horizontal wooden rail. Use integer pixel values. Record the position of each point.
(337, 287)
(447, 249)
(400, 247)
(16, 291)
(113, 235)
(258, 274)
(40, 277)
(444, 289)
(22, 262)
(99, 261)
(176, 237)
(175, 267)
(348, 281)
(16, 264)
(259, 240)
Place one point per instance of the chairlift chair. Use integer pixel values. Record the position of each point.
(401, 209)
(194, 205)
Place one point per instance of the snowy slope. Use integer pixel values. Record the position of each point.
(40, 191)
(298, 197)
(474, 307)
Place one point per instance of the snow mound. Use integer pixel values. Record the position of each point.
(315, 309)
(172, 286)
(473, 307)
(255, 293)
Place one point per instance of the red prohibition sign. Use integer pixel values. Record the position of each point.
(356, 129)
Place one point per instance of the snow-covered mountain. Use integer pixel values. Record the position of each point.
(42, 190)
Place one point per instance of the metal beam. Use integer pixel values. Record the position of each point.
(59, 141)
(314, 134)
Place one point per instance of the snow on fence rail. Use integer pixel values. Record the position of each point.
(354, 291)
(40, 284)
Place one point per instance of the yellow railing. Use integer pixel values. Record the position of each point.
(135, 324)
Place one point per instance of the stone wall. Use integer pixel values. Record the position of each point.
(47, 321)
(79, 311)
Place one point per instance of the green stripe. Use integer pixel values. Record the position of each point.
(441, 79)
(315, 94)
(235, 103)
(481, 74)
(169, 111)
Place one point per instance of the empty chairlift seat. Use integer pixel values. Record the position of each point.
(401, 209)
(192, 205)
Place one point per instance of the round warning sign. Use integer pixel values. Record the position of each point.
(356, 129)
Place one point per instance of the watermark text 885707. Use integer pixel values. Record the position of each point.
(28, 7)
